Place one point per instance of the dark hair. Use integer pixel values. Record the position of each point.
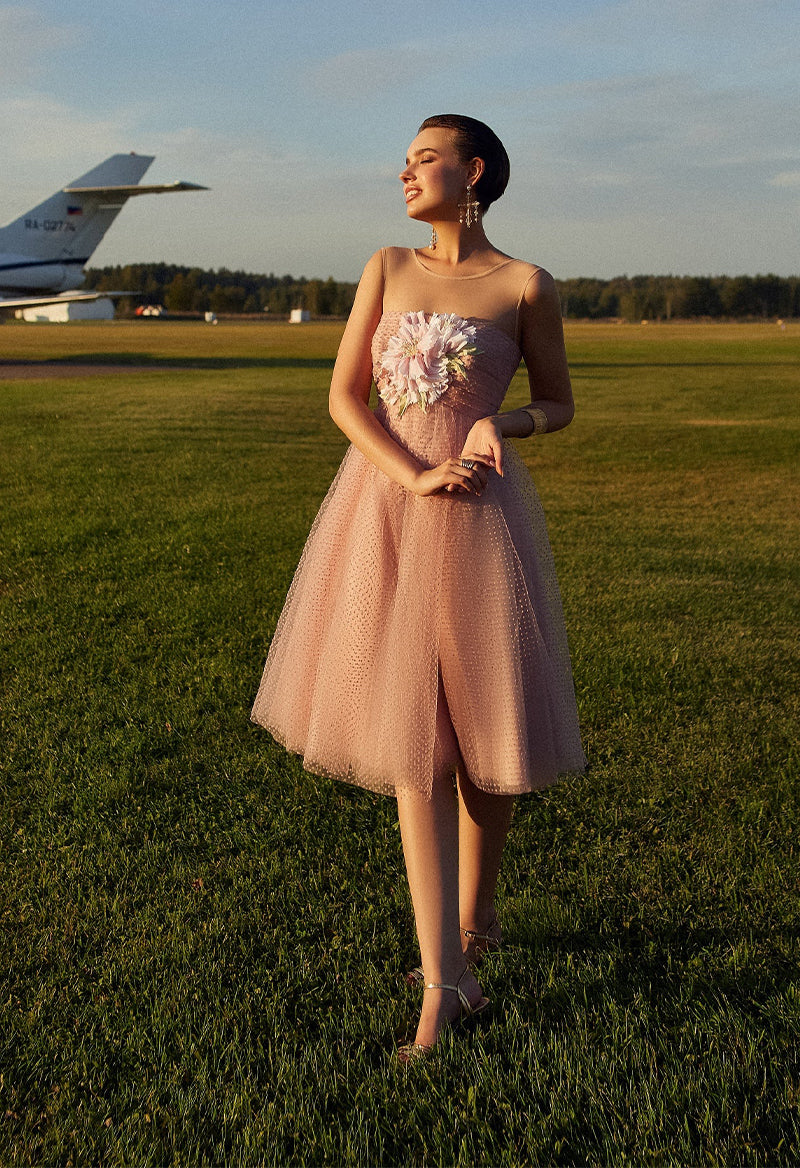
(474, 139)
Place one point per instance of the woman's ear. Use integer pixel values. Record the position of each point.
(475, 170)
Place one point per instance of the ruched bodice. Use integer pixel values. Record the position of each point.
(422, 633)
(439, 432)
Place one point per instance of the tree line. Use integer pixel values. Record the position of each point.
(195, 290)
(681, 297)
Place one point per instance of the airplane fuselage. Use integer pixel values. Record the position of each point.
(19, 273)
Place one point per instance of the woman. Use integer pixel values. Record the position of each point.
(422, 636)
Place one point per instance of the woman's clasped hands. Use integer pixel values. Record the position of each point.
(483, 447)
(468, 473)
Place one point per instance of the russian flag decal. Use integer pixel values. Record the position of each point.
(74, 210)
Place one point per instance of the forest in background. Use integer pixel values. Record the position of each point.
(194, 290)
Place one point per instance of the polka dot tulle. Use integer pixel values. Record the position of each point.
(418, 631)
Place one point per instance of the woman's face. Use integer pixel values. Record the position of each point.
(434, 179)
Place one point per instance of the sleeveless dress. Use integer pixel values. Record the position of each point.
(423, 633)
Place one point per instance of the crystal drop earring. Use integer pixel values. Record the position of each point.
(468, 211)
(434, 239)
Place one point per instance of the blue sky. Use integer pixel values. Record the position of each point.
(643, 136)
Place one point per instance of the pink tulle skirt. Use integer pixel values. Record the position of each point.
(424, 633)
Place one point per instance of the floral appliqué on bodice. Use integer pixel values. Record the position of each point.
(422, 356)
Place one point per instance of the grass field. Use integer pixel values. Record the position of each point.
(203, 948)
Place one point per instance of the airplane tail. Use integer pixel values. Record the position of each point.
(69, 225)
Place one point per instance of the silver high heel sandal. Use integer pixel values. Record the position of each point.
(412, 1051)
(480, 943)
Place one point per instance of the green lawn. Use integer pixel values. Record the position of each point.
(203, 948)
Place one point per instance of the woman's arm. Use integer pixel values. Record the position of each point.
(349, 401)
(542, 344)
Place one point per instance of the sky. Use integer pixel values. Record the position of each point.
(644, 137)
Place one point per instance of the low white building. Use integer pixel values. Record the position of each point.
(102, 309)
(299, 316)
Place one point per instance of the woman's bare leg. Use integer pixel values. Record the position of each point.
(483, 823)
(429, 829)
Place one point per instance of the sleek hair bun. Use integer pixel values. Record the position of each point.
(474, 139)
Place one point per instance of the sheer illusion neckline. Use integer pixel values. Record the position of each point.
(474, 276)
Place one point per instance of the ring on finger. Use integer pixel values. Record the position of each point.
(468, 463)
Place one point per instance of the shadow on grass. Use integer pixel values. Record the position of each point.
(709, 363)
(147, 360)
(144, 361)
(654, 962)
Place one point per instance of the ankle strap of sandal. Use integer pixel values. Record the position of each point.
(462, 997)
(472, 935)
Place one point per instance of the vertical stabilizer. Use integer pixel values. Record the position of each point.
(69, 226)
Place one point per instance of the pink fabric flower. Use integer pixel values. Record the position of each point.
(422, 356)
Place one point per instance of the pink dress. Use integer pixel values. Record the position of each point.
(422, 633)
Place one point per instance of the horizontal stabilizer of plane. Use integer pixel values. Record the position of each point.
(127, 192)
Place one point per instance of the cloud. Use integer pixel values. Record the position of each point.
(364, 74)
(714, 22)
(786, 178)
(412, 68)
(604, 179)
(36, 127)
(666, 127)
(27, 44)
(47, 143)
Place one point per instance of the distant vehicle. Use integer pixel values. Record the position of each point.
(44, 252)
(151, 310)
